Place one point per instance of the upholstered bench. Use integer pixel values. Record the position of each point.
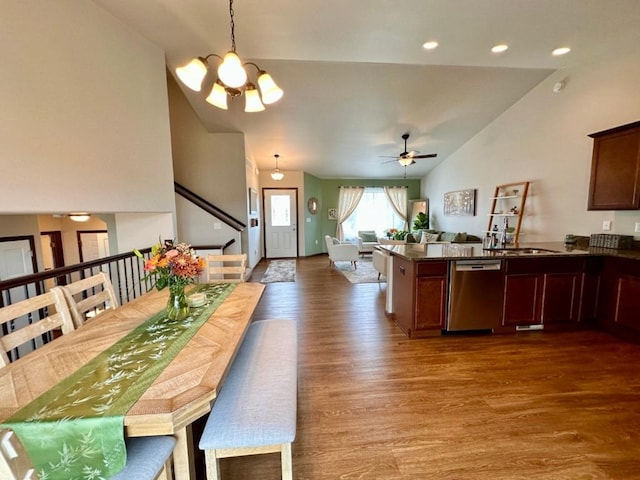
(255, 411)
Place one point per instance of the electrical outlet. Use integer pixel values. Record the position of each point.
(606, 226)
(637, 227)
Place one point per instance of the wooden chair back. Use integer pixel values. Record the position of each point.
(14, 462)
(56, 317)
(89, 297)
(226, 268)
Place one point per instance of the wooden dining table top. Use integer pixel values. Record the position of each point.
(179, 395)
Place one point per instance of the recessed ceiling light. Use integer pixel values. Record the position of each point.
(429, 45)
(500, 48)
(560, 51)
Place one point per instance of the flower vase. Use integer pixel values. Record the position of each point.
(177, 306)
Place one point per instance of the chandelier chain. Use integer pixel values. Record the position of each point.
(233, 27)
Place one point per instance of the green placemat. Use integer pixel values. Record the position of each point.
(75, 430)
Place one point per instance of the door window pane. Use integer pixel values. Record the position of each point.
(280, 210)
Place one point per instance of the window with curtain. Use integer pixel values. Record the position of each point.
(374, 212)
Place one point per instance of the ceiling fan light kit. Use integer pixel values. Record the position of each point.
(232, 78)
(407, 158)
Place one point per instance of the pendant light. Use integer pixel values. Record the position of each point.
(232, 78)
(276, 174)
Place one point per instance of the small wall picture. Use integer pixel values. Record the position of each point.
(253, 202)
(460, 202)
(333, 214)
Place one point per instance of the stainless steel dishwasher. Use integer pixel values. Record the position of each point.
(476, 290)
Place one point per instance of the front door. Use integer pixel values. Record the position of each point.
(281, 223)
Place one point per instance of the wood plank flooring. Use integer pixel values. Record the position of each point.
(373, 404)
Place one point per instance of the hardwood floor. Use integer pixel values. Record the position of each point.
(373, 404)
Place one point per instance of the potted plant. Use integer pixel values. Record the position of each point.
(421, 222)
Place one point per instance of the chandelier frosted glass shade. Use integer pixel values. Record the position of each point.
(231, 72)
(192, 74)
(253, 103)
(218, 96)
(271, 93)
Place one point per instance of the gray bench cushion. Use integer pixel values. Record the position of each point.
(257, 403)
(145, 457)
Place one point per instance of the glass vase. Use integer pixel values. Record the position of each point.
(177, 306)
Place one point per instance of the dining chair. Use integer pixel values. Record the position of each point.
(148, 458)
(226, 268)
(33, 308)
(89, 297)
(14, 462)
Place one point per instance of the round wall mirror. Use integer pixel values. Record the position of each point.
(312, 205)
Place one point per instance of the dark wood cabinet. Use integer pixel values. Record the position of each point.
(419, 296)
(619, 309)
(615, 169)
(545, 291)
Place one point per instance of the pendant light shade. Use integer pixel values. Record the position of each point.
(405, 161)
(231, 71)
(253, 103)
(271, 93)
(218, 96)
(193, 73)
(232, 78)
(276, 174)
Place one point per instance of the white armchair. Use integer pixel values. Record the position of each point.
(367, 241)
(342, 251)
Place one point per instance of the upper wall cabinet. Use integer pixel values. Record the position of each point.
(615, 169)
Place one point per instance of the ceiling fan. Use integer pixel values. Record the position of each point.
(407, 158)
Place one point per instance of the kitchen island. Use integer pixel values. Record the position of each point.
(444, 288)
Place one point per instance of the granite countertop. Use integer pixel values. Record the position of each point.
(454, 251)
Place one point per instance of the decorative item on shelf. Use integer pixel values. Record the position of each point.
(232, 78)
(276, 174)
(173, 266)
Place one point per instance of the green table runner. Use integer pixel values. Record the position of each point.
(75, 430)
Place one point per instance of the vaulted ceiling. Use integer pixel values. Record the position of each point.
(356, 77)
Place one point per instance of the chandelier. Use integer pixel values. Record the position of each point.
(276, 174)
(232, 79)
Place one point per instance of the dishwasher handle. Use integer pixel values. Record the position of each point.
(471, 266)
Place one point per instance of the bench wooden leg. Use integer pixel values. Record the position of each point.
(213, 465)
(287, 463)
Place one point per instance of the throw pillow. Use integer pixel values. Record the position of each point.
(335, 241)
(460, 237)
(429, 237)
(447, 236)
(368, 237)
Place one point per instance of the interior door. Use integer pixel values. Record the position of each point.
(281, 223)
(93, 245)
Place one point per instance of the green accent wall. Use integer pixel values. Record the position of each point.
(313, 237)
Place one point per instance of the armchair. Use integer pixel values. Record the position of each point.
(341, 251)
(367, 241)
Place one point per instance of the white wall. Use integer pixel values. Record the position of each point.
(84, 124)
(543, 139)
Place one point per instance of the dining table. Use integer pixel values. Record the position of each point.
(180, 394)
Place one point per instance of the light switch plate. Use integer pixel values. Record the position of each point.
(606, 225)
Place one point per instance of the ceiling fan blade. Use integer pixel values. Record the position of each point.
(430, 155)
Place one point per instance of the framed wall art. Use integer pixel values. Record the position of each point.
(253, 201)
(460, 202)
(333, 213)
